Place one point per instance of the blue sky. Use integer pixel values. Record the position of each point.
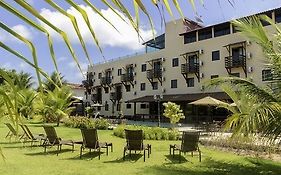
(113, 44)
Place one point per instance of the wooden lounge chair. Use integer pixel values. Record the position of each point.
(134, 139)
(189, 144)
(91, 141)
(28, 135)
(12, 132)
(52, 139)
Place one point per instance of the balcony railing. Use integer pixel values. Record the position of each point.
(94, 97)
(127, 77)
(189, 68)
(154, 73)
(237, 61)
(115, 96)
(87, 83)
(105, 80)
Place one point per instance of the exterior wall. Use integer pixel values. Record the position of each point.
(174, 47)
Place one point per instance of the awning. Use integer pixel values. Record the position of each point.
(181, 97)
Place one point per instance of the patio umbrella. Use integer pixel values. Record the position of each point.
(207, 101)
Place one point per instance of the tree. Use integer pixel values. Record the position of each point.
(173, 112)
(26, 100)
(262, 111)
(53, 106)
(57, 80)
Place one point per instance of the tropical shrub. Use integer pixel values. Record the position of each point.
(85, 122)
(53, 106)
(149, 133)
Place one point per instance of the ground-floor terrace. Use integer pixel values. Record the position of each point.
(193, 113)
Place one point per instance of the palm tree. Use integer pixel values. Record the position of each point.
(261, 108)
(23, 80)
(57, 81)
(55, 105)
(26, 101)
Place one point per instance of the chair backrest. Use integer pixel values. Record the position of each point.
(28, 131)
(51, 134)
(134, 139)
(90, 138)
(11, 128)
(189, 141)
(25, 131)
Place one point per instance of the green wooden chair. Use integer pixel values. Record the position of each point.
(91, 141)
(189, 143)
(134, 139)
(52, 139)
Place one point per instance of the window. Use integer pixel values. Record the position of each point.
(235, 74)
(106, 90)
(278, 16)
(99, 108)
(128, 106)
(174, 83)
(175, 62)
(128, 88)
(106, 106)
(119, 72)
(190, 37)
(215, 55)
(222, 29)
(267, 75)
(142, 86)
(214, 76)
(190, 82)
(143, 67)
(154, 85)
(205, 34)
(99, 76)
(143, 106)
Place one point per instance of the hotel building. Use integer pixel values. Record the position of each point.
(176, 66)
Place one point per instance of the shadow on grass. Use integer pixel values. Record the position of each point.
(128, 158)
(10, 142)
(86, 156)
(213, 167)
(176, 159)
(53, 152)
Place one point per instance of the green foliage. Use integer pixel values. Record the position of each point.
(173, 112)
(26, 100)
(85, 122)
(149, 133)
(57, 81)
(55, 105)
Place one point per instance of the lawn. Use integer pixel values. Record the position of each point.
(31, 161)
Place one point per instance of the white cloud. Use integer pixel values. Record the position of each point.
(61, 59)
(107, 35)
(23, 31)
(23, 66)
(6, 65)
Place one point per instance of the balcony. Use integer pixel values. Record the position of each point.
(189, 68)
(94, 97)
(154, 73)
(127, 77)
(105, 80)
(234, 62)
(115, 96)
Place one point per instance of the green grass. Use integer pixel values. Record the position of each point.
(31, 161)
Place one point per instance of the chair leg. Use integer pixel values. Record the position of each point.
(148, 153)
(130, 152)
(173, 152)
(199, 155)
(149, 149)
(73, 148)
(124, 152)
(144, 155)
(107, 150)
(58, 149)
(170, 150)
(99, 153)
(191, 154)
(81, 152)
(112, 148)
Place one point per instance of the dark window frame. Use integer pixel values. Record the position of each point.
(215, 57)
(128, 88)
(175, 62)
(119, 72)
(128, 106)
(143, 67)
(99, 75)
(154, 85)
(190, 82)
(143, 106)
(267, 75)
(174, 84)
(222, 29)
(190, 37)
(214, 76)
(142, 86)
(205, 33)
(106, 90)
